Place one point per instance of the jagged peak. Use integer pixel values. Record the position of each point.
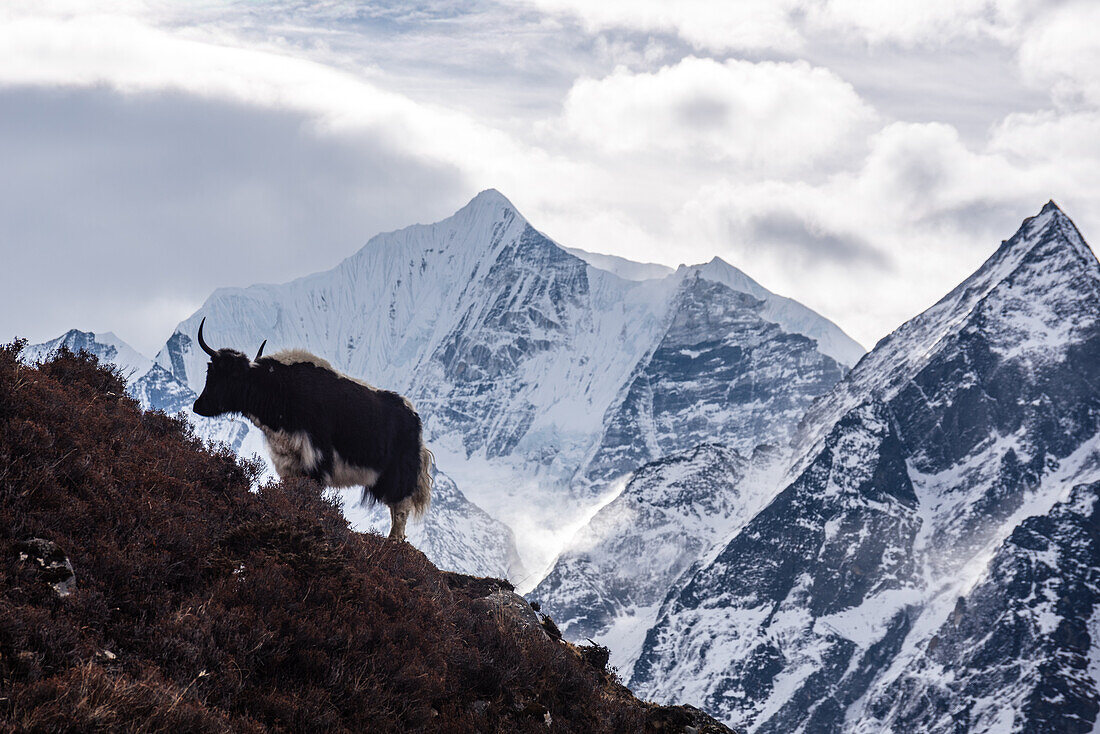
(1047, 236)
(490, 197)
(791, 315)
(473, 224)
(719, 270)
(481, 214)
(489, 201)
(1041, 259)
(72, 334)
(106, 344)
(1050, 219)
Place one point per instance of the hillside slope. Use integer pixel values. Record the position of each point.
(199, 605)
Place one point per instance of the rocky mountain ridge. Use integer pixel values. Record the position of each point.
(899, 563)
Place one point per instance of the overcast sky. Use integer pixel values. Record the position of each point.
(859, 156)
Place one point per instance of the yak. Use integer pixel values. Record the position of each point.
(322, 424)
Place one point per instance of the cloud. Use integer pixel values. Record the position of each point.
(112, 200)
(130, 53)
(765, 117)
(874, 245)
(791, 26)
(919, 22)
(142, 138)
(786, 230)
(1061, 152)
(745, 25)
(1062, 53)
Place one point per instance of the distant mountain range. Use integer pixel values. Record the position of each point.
(698, 473)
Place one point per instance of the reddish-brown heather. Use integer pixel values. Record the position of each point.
(203, 606)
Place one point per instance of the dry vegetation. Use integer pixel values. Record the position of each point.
(202, 606)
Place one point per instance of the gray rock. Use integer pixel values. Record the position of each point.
(54, 565)
(514, 607)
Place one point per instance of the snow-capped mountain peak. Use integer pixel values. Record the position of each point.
(520, 356)
(722, 272)
(788, 313)
(1018, 281)
(104, 345)
(889, 579)
(489, 199)
(1050, 223)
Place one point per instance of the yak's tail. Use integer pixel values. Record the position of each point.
(422, 495)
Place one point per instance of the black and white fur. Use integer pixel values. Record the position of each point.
(322, 424)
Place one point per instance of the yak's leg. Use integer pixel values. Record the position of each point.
(399, 514)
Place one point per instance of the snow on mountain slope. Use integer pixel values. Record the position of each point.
(106, 346)
(512, 349)
(826, 611)
(1018, 652)
(720, 370)
(609, 581)
(620, 266)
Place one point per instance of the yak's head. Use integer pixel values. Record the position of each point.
(227, 380)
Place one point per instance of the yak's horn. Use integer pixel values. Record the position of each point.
(202, 342)
(261, 352)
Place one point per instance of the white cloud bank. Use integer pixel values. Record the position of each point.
(786, 26)
(768, 117)
(1062, 52)
(744, 25)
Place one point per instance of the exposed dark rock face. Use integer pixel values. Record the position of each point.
(1022, 644)
(513, 606)
(158, 389)
(721, 370)
(930, 566)
(609, 582)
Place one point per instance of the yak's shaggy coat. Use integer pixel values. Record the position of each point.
(322, 424)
